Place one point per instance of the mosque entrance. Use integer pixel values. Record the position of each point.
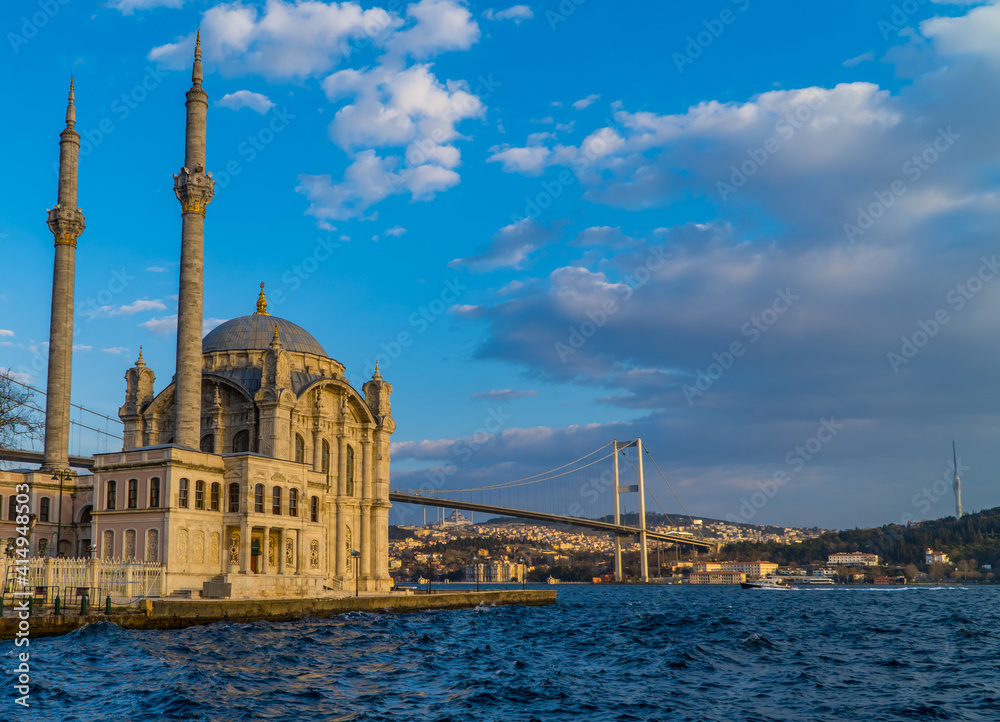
(255, 558)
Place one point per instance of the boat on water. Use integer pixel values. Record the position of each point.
(766, 583)
(813, 581)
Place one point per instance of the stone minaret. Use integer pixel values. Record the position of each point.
(194, 189)
(66, 223)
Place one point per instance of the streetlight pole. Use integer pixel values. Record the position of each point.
(61, 476)
(355, 554)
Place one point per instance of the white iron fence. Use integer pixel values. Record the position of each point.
(125, 580)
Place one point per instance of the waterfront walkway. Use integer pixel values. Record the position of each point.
(181, 613)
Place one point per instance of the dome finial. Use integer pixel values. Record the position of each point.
(140, 362)
(376, 376)
(275, 342)
(262, 303)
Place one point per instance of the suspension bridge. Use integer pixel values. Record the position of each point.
(574, 495)
(86, 435)
(604, 490)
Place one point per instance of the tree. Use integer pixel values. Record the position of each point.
(910, 572)
(18, 416)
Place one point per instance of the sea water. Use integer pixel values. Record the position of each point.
(600, 653)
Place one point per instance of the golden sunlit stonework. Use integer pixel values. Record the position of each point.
(259, 471)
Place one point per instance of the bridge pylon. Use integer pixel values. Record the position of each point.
(639, 488)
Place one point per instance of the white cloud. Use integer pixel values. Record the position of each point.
(396, 108)
(161, 326)
(510, 248)
(393, 103)
(439, 25)
(517, 13)
(139, 305)
(168, 324)
(857, 60)
(127, 7)
(503, 394)
(129, 309)
(24, 378)
(116, 350)
(6, 332)
(156, 269)
(530, 160)
(82, 347)
(287, 40)
(257, 102)
(395, 231)
(409, 109)
(973, 33)
(586, 102)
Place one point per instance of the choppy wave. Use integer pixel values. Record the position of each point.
(601, 653)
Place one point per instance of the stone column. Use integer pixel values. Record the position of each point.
(365, 538)
(244, 546)
(66, 223)
(194, 189)
(281, 551)
(300, 553)
(340, 558)
(317, 451)
(265, 565)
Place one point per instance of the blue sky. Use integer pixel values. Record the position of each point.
(759, 235)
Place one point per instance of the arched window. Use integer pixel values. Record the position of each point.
(325, 458)
(43, 509)
(215, 497)
(133, 493)
(234, 496)
(43, 547)
(258, 498)
(85, 517)
(241, 442)
(276, 500)
(12, 507)
(208, 443)
(112, 495)
(1, 506)
(300, 449)
(108, 551)
(293, 502)
(314, 509)
(154, 493)
(152, 545)
(182, 493)
(128, 544)
(350, 470)
(199, 494)
(348, 541)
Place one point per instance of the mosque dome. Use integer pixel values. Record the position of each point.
(255, 332)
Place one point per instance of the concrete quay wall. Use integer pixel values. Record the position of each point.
(181, 613)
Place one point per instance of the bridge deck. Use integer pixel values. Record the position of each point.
(542, 516)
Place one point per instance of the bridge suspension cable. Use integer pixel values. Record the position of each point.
(534, 479)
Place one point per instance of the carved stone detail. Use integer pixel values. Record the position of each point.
(194, 190)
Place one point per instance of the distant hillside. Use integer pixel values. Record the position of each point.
(974, 536)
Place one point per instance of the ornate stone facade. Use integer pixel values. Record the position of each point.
(259, 463)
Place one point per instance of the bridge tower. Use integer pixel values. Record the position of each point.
(639, 488)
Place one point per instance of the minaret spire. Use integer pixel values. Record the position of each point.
(196, 76)
(66, 223)
(194, 189)
(957, 484)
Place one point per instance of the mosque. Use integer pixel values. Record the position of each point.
(258, 466)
